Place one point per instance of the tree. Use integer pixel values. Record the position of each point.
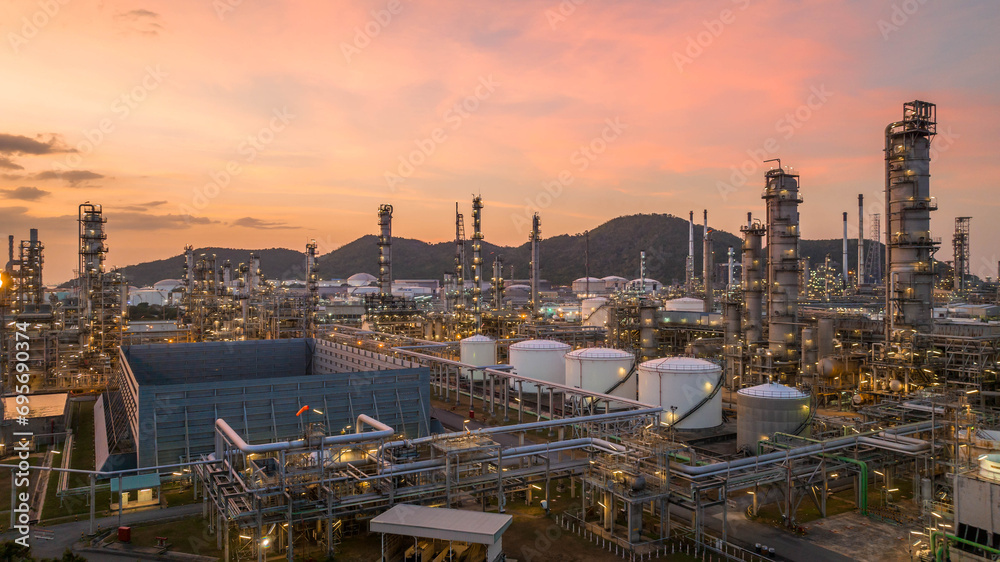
(10, 551)
(68, 556)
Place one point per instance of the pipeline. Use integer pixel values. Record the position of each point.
(223, 428)
(720, 468)
(862, 469)
(941, 554)
(522, 427)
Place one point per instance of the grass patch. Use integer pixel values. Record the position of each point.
(188, 535)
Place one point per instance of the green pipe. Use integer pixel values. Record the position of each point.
(939, 554)
(863, 473)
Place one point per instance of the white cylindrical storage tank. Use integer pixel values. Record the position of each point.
(614, 283)
(989, 466)
(477, 350)
(765, 409)
(684, 304)
(592, 313)
(684, 382)
(539, 359)
(598, 369)
(586, 286)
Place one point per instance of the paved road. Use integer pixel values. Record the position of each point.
(747, 533)
(66, 534)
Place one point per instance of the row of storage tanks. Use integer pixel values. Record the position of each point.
(685, 387)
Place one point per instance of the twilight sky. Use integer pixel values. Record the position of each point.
(263, 124)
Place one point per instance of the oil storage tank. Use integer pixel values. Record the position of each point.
(539, 359)
(478, 350)
(767, 408)
(593, 312)
(601, 369)
(686, 388)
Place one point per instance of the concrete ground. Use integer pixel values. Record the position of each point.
(861, 538)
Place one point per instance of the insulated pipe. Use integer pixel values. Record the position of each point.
(527, 450)
(524, 427)
(894, 445)
(808, 450)
(223, 428)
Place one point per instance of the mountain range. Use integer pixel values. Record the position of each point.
(614, 249)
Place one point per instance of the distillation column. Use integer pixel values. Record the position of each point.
(101, 320)
(753, 280)
(312, 286)
(708, 265)
(535, 237)
(960, 244)
(30, 291)
(385, 249)
(845, 271)
(908, 203)
(689, 263)
(477, 259)
(459, 261)
(498, 285)
(781, 194)
(861, 240)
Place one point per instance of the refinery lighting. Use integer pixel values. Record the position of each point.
(623, 375)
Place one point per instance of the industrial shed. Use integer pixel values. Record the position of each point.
(169, 396)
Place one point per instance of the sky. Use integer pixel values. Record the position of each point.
(251, 124)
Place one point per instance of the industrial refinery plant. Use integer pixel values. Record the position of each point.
(760, 408)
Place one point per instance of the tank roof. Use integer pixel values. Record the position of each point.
(599, 353)
(687, 364)
(539, 345)
(773, 390)
(478, 338)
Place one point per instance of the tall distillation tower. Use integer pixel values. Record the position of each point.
(385, 249)
(753, 280)
(460, 295)
(689, 262)
(535, 239)
(312, 285)
(908, 203)
(30, 291)
(477, 260)
(781, 194)
(101, 301)
(960, 242)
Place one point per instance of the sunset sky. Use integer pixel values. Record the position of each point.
(254, 124)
